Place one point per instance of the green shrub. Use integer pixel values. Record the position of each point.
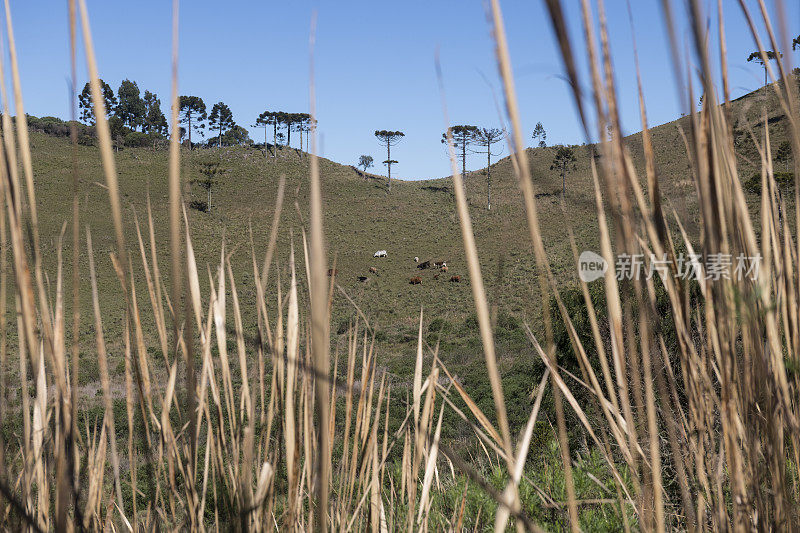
(137, 139)
(782, 179)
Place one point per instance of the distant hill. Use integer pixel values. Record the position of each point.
(416, 219)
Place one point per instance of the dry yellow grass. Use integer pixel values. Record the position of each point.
(272, 438)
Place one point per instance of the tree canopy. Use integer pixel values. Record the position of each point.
(563, 162)
(154, 119)
(540, 135)
(221, 119)
(130, 107)
(192, 113)
(86, 105)
(388, 139)
(365, 162)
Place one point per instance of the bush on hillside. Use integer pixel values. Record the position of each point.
(782, 179)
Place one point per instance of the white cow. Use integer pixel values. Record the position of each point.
(379, 253)
(416, 259)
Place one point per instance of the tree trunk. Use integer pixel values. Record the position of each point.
(265, 141)
(289, 134)
(463, 158)
(190, 131)
(389, 163)
(275, 139)
(489, 177)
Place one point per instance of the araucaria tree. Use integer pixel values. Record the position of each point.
(130, 107)
(86, 105)
(365, 162)
(266, 119)
(388, 139)
(220, 119)
(540, 135)
(485, 138)
(564, 162)
(463, 138)
(154, 119)
(193, 113)
(796, 43)
(210, 172)
(758, 58)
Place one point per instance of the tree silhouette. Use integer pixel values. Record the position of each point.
(540, 135)
(130, 107)
(220, 119)
(758, 58)
(86, 105)
(485, 138)
(154, 119)
(365, 162)
(564, 162)
(192, 108)
(796, 43)
(388, 139)
(463, 137)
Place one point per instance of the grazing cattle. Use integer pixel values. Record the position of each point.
(362, 279)
(373, 270)
(436, 276)
(423, 266)
(455, 279)
(444, 268)
(332, 272)
(379, 253)
(416, 259)
(440, 264)
(416, 280)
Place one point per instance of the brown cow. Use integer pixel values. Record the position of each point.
(455, 279)
(439, 264)
(373, 270)
(332, 272)
(444, 268)
(436, 276)
(416, 280)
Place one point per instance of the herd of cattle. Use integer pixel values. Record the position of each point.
(440, 266)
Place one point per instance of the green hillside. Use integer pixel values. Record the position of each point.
(415, 219)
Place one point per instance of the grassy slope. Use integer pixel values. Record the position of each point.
(415, 219)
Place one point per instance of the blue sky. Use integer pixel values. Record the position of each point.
(374, 64)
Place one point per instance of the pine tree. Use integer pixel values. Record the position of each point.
(540, 135)
(154, 119)
(486, 137)
(130, 107)
(221, 119)
(388, 139)
(564, 162)
(463, 138)
(86, 105)
(192, 113)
